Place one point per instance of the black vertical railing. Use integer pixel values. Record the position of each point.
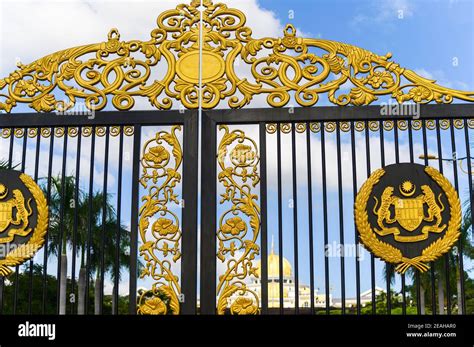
(137, 135)
(295, 217)
(460, 260)
(76, 217)
(208, 218)
(62, 207)
(397, 161)
(118, 232)
(356, 235)
(372, 258)
(105, 204)
(90, 221)
(471, 197)
(446, 257)
(432, 264)
(310, 215)
(417, 273)
(190, 196)
(16, 281)
(341, 217)
(325, 216)
(48, 199)
(31, 263)
(280, 221)
(263, 216)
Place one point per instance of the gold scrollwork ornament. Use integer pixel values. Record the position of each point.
(239, 225)
(159, 225)
(281, 68)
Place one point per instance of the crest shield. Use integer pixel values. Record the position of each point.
(409, 213)
(6, 215)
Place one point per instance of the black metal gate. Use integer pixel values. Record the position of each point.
(294, 174)
(90, 167)
(284, 175)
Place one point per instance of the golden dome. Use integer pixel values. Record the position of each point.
(274, 267)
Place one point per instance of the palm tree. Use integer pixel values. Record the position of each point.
(468, 251)
(89, 211)
(61, 222)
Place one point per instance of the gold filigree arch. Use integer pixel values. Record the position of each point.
(281, 68)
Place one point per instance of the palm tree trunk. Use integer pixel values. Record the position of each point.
(114, 302)
(458, 286)
(440, 296)
(63, 288)
(422, 300)
(97, 289)
(81, 291)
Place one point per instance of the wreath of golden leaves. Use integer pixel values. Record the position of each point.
(394, 255)
(26, 251)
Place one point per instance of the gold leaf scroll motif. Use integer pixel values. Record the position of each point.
(159, 226)
(239, 225)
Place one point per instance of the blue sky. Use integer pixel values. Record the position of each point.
(433, 38)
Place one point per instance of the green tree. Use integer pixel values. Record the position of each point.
(89, 209)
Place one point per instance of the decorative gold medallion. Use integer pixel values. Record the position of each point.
(408, 214)
(23, 219)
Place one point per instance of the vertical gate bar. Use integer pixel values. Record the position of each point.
(10, 155)
(137, 136)
(397, 161)
(471, 197)
(89, 227)
(325, 215)
(372, 258)
(460, 245)
(388, 266)
(432, 273)
(341, 217)
(61, 220)
(417, 273)
(46, 242)
(17, 267)
(356, 235)
(280, 221)
(310, 215)
(208, 217)
(263, 217)
(76, 216)
(190, 195)
(118, 232)
(446, 256)
(295, 216)
(104, 220)
(37, 154)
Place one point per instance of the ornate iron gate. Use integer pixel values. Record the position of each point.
(86, 216)
(361, 140)
(242, 191)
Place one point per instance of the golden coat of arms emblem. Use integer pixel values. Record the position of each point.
(23, 219)
(408, 214)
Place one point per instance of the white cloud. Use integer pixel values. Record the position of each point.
(442, 79)
(385, 12)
